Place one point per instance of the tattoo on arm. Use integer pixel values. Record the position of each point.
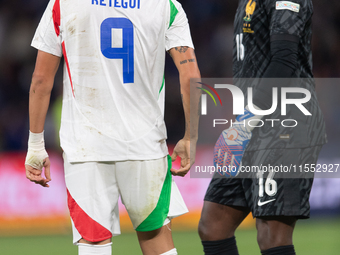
(186, 61)
(182, 49)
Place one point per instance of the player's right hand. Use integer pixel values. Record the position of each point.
(35, 175)
(37, 159)
(186, 151)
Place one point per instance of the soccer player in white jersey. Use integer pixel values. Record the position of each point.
(112, 128)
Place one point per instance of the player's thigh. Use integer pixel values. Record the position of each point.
(219, 222)
(92, 200)
(224, 208)
(146, 190)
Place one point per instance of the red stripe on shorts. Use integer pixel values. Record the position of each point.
(88, 228)
(56, 16)
(68, 66)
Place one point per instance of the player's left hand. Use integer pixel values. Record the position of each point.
(186, 151)
(35, 175)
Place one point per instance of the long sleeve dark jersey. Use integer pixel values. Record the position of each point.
(258, 25)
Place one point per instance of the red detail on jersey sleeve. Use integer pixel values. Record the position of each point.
(56, 16)
(88, 228)
(68, 66)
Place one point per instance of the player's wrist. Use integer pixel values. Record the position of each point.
(36, 153)
(190, 139)
(35, 138)
(36, 141)
(190, 136)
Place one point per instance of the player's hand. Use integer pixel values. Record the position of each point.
(230, 146)
(187, 155)
(229, 149)
(37, 159)
(35, 175)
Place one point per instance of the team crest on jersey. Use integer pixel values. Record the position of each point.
(250, 8)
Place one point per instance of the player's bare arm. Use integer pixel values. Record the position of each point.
(185, 61)
(39, 99)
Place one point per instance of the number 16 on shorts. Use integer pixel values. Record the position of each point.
(267, 186)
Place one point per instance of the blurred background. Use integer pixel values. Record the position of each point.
(27, 210)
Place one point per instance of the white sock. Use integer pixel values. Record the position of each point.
(90, 249)
(171, 252)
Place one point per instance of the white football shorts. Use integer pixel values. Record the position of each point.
(147, 190)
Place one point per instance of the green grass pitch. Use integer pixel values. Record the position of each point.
(310, 238)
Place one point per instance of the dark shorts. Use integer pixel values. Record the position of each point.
(269, 192)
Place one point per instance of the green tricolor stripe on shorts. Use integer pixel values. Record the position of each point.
(173, 13)
(157, 217)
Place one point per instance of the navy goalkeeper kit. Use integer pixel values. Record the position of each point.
(272, 49)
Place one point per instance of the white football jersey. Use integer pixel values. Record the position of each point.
(114, 51)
